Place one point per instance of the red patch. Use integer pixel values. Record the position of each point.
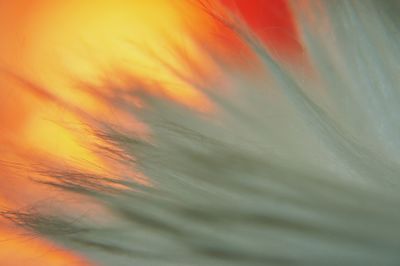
(273, 21)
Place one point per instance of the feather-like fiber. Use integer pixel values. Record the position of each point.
(290, 169)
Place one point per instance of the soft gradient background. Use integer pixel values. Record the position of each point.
(53, 43)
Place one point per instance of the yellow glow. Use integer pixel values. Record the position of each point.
(56, 138)
(83, 40)
(54, 43)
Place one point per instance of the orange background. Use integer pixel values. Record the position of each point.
(50, 42)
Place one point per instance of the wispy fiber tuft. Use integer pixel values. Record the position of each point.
(290, 169)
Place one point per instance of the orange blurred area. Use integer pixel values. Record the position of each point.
(63, 41)
(48, 48)
(19, 250)
(45, 47)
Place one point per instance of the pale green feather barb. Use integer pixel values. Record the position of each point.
(294, 169)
